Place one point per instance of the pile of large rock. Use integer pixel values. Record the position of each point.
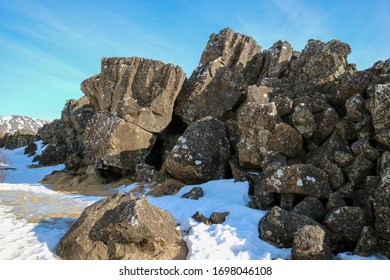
(309, 131)
(17, 139)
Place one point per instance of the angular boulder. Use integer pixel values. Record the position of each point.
(111, 141)
(346, 222)
(260, 132)
(382, 207)
(310, 243)
(229, 64)
(201, 153)
(123, 227)
(279, 226)
(380, 107)
(303, 179)
(138, 90)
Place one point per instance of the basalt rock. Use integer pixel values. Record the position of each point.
(123, 227)
(201, 153)
(279, 226)
(303, 179)
(19, 139)
(229, 64)
(310, 243)
(138, 90)
(261, 132)
(111, 141)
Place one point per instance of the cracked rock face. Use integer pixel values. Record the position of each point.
(134, 98)
(138, 90)
(230, 63)
(111, 141)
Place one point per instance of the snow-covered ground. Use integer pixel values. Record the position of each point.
(34, 218)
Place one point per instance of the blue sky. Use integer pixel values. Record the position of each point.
(48, 47)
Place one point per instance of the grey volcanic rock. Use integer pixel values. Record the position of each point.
(229, 64)
(279, 226)
(382, 207)
(201, 153)
(310, 206)
(304, 179)
(310, 243)
(260, 132)
(140, 91)
(111, 141)
(320, 63)
(347, 222)
(123, 227)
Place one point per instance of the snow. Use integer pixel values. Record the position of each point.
(198, 162)
(33, 218)
(16, 159)
(237, 238)
(299, 183)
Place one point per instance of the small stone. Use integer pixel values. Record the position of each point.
(218, 217)
(195, 193)
(200, 218)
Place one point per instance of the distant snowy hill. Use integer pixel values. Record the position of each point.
(11, 124)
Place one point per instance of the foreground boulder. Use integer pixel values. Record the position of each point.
(123, 227)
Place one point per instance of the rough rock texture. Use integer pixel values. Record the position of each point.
(279, 226)
(260, 133)
(201, 153)
(308, 131)
(310, 206)
(310, 243)
(304, 179)
(18, 139)
(382, 207)
(229, 64)
(347, 222)
(123, 227)
(138, 90)
(215, 218)
(111, 141)
(194, 193)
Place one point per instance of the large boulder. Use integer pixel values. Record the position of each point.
(201, 153)
(346, 222)
(229, 64)
(261, 132)
(123, 227)
(138, 90)
(111, 141)
(319, 64)
(279, 226)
